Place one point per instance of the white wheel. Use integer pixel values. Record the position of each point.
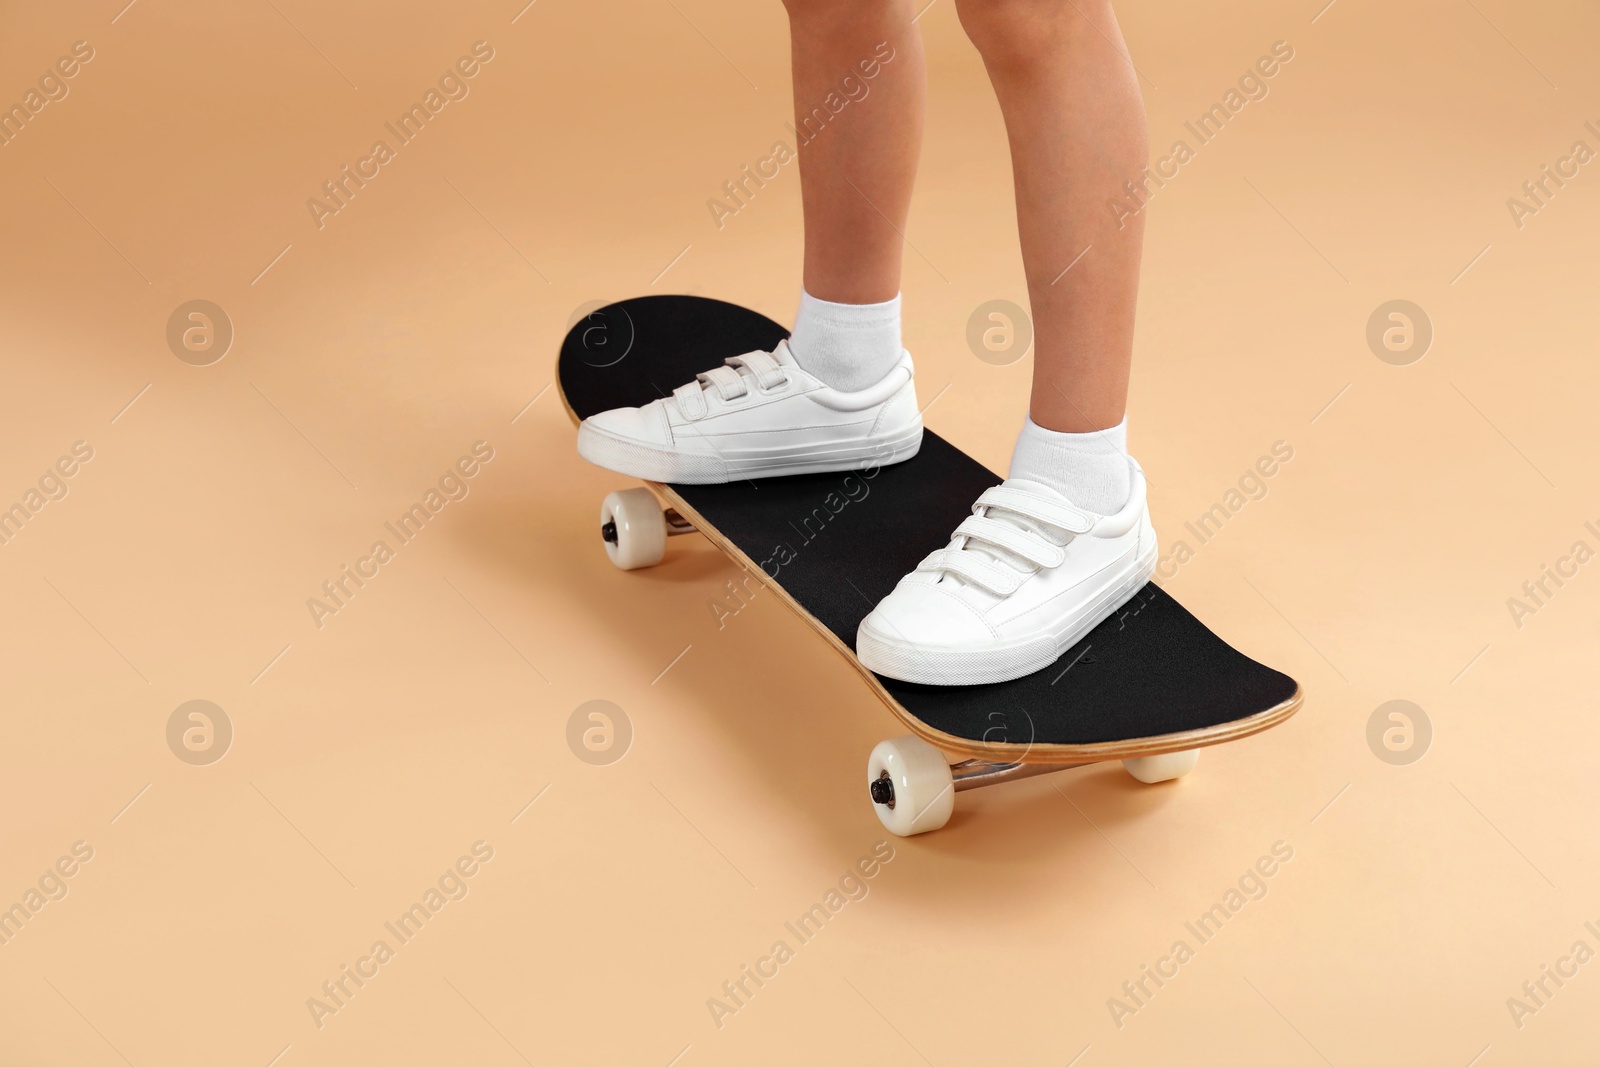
(634, 528)
(1163, 768)
(911, 786)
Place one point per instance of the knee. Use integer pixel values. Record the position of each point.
(1013, 34)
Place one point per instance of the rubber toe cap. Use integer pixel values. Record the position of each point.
(644, 426)
(925, 616)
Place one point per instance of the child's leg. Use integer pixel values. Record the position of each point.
(839, 394)
(1076, 124)
(856, 167)
(1068, 540)
(857, 164)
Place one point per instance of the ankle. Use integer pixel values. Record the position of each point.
(1089, 469)
(847, 346)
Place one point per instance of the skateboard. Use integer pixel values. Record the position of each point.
(1149, 686)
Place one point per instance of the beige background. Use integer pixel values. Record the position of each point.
(369, 754)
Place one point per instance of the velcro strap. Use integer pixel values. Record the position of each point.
(769, 373)
(1031, 547)
(1057, 514)
(691, 401)
(728, 383)
(994, 578)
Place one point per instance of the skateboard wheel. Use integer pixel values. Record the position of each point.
(633, 528)
(911, 786)
(1162, 768)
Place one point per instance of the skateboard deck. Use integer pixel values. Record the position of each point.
(1151, 679)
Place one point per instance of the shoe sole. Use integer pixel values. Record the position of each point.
(658, 465)
(1004, 662)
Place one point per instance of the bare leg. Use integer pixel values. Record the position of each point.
(1076, 124)
(858, 93)
(857, 165)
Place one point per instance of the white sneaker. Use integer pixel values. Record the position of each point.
(1022, 580)
(759, 415)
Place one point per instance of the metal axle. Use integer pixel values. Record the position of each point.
(973, 773)
(676, 524)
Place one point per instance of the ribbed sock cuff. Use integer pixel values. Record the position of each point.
(848, 346)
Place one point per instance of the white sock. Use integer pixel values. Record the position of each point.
(1089, 469)
(847, 346)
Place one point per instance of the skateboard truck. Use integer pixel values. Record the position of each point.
(970, 774)
(913, 787)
